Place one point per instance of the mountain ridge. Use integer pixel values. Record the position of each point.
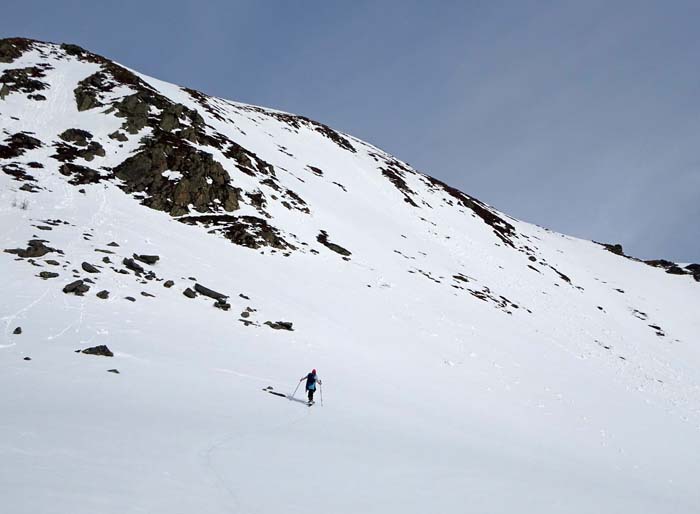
(215, 249)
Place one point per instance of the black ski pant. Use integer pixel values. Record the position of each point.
(310, 393)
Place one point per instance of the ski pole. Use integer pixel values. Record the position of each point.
(320, 391)
(295, 390)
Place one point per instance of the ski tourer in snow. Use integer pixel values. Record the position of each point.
(311, 380)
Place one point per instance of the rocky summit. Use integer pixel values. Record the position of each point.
(217, 251)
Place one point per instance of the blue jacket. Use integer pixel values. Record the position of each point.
(311, 382)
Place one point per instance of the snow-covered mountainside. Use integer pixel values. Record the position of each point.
(471, 362)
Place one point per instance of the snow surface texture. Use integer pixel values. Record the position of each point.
(471, 362)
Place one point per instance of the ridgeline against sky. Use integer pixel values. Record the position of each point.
(579, 116)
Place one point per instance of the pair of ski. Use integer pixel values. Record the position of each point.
(271, 390)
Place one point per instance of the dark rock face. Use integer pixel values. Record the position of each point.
(280, 325)
(103, 295)
(248, 231)
(78, 137)
(189, 293)
(17, 144)
(222, 304)
(501, 228)
(209, 292)
(323, 239)
(48, 274)
(147, 259)
(89, 268)
(35, 248)
(68, 153)
(17, 331)
(98, 350)
(133, 265)
(12, 48)
(205, 184)
(24, 80)
(614, 248)
(78, 288)
(81, 175)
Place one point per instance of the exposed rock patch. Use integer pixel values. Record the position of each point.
(323, 239)
(98, 350)
(280, 325)
(78, 288)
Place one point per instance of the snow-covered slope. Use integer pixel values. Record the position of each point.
(471, 362)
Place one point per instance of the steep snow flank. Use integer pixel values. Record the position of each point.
(470, 361)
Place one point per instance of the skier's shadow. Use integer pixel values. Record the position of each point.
(287, 396)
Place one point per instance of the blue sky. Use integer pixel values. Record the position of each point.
(579, 116)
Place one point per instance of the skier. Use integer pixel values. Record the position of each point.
(311, 380)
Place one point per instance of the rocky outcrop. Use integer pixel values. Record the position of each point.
(209, 292)
(249, 231)
(147, 259)
(102, 350)
(78, 288)
(280, 325)
(323, 239)
(12, 48)
(205, 184)
(89, 268)
(17, 144)
(35, 248)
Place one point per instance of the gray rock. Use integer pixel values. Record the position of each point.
(147, 259)
(17, 331)
(78, 288)
(89, 268)
(98, 350)
(168, 284)
(103, 294)
(280, 325)
(133, 265)
(209, 292)
(48, 274)
(189, 293)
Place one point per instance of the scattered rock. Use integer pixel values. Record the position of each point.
(27, 358)
(130, 298)
(114, 370)
(103, 294)
(147, 259)
(189, 293)
(245, 314)
(48, 274)
(17, 331)
(133, 265)
(148, 295)
(35, 248)
(106, 260)
(98, 350)
(244, 296)
(113, 244)
(78, 288)
(168, 284)
(222, 304)
(209, 292)
(52, 262)
(323, 239)
(89, 268)
(280, 325)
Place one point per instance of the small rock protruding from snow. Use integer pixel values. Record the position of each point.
(101, 349)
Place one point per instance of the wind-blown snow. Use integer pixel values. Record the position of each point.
(510, 389)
